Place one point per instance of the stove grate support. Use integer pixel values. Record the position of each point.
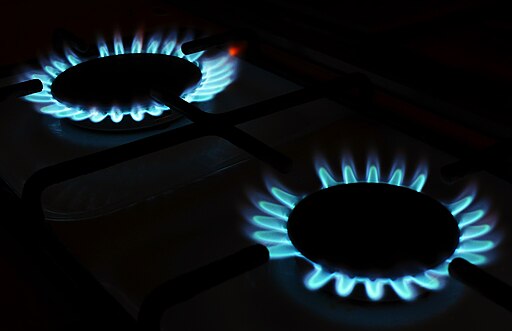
(481, 281)
(20, 89)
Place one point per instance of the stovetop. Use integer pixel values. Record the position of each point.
(153, 215)
(274, 297)
(49, 141)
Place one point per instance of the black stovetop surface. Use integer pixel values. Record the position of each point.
(441, 70)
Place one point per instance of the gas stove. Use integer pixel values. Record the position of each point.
(185, 174)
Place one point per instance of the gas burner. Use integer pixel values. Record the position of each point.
(373, 231)
(111, 91)
(123, 80)
(384, 240)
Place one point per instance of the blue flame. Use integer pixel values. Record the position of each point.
(272, 231)
(217, 73)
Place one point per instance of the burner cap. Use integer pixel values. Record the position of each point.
(373, 230)
(123, 80)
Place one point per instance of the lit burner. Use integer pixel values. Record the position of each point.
(374, 231)
(122, 76)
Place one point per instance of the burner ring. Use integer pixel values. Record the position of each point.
(123, 80)
(355, 278)
(204, 76)
(373, 230)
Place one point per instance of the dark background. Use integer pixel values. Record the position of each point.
(454, 53)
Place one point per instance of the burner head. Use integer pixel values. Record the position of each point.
(373, 230)
(123, 80)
